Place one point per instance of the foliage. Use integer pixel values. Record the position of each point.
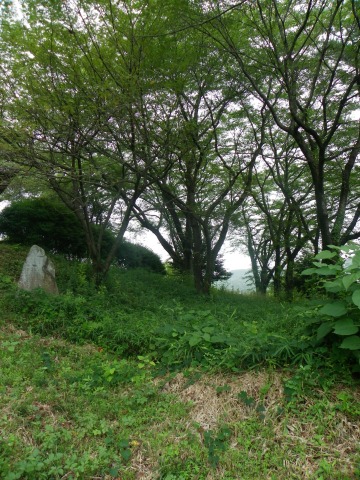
(45, 222)
(237, 133)
(337, 320)
(196, 338)
(272, 54)
(216, 443)
(137, 311)
(130, 255)
(50, 224)
(97, 167)
(76, 439)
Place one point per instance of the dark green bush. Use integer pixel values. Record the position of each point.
(51, 225)
(130, 255)
(44, 222)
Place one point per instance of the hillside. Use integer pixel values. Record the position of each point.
(144, 379)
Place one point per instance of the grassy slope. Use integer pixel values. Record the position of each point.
(127, 315)
(70, 411)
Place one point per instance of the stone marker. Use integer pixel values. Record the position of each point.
(38, 272)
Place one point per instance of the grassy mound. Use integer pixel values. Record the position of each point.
(139, 313)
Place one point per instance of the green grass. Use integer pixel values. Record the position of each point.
(138, 312)
(69, 411)
(144, 379)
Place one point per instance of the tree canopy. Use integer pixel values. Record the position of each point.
(196, 120)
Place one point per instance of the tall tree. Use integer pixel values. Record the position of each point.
(301, 60)
(209, 180)
(76, 109)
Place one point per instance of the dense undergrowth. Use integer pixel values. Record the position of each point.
(139, 313)
(143, 378)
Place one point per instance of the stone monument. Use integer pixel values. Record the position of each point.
(38, 272)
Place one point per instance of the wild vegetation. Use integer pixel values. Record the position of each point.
(199, 122)
(144, 378)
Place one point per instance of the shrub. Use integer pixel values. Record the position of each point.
(130, 255)
(337, 320)
(44, 222)
(51, 225)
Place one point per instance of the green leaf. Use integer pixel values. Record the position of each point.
(125, 454)
(336, 309)
(346, 248)
(345, 326)
(356, 298)
(352, 267)
(208, 329)
(326, 270)
(335, 286)
(324, 329)
(335, 268)
(194, 340)
(245, 398)
(350, 279)
(309, 271)
(124, 444)
(351, 343)
(207, 337)
(355, 261)
(325, 254)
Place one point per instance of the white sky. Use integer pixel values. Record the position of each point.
(233, 260)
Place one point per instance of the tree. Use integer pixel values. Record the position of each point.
(75, 110)
(301, 61)
(209, 179)
(278, 221)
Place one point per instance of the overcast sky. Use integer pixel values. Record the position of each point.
(232, 260)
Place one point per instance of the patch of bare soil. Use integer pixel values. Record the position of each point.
(214, 400)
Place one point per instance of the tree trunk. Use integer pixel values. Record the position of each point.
(277, 273)
(289, 280)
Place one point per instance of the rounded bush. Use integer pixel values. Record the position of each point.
(51, 225)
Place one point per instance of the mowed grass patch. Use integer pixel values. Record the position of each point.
(69, 411)
(74, 411)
